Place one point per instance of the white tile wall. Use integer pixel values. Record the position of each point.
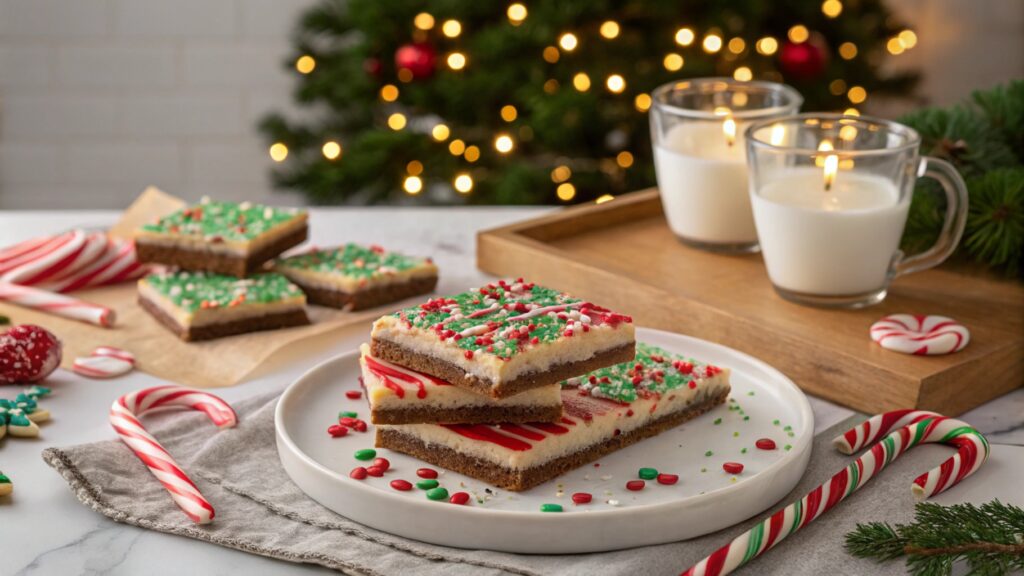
(99, 98)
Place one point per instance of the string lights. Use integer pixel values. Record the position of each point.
(305, 64)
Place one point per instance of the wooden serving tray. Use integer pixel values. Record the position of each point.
(622, 255)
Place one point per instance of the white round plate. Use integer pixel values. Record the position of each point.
(763, 404)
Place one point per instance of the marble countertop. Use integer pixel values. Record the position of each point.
(47, 531)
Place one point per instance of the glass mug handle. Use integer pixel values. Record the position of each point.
(952, 227)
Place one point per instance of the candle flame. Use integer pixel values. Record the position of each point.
(729, 129)
(830, 163)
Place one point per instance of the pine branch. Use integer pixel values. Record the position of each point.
(989, 538)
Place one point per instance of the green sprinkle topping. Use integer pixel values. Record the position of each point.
(191, 291)
(790, 434)
(751, 393)
(745, 418)
(4, 479)
(703, 469)
(735, 434)
(648, 473)
(437, 493)
(788, 428)
(708, 453)
(776, 422)
(223, 221)
(654, 371)
(348, 414)
(365, 454)
(550, 507)
(427, 484)
(718, 421)
(353, 261)
(787, 447)
(4, 320)
(743, 451)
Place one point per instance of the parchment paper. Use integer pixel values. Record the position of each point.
(222, 362)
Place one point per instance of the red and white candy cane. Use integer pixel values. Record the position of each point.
(58, 304)
(124, 417)
(912, 427)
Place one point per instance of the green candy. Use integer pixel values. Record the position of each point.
(550, 507)
(426, 484)
(648, 473)
(708, 453)
(348, 414)
(437, 493)
(366, 454)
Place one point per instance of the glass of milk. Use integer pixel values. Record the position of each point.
(700, 158)
(830, 195)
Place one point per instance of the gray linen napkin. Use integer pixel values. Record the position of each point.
(260, 511)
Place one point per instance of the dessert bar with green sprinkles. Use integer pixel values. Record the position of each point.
(202, 305)
(234, 238)
(504, 338)
(603, 411)
(356, 277)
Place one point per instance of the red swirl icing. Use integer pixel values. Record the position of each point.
(384, 372)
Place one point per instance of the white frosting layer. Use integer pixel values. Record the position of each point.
(208, 316)
(581, 346)
(436, 395)
(227, 246)
(607, 417)
(349, 284)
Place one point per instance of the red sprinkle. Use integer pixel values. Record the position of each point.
(635, 485)
(358, 473)
(765, 444)
(668, 479)
(382, 463)
(375, 471)
(359, 425)
(337, 430)
(353, 394)
(582, 498)
(732, 467)
(459, 498)
(469, 354)
(426, 473)
(402, 485)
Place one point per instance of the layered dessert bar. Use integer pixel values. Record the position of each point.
(505, 338)
(398, 395)
(604, 411)
(355, 277)
(223, 237)
(203, 306)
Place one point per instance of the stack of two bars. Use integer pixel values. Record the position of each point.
(515, 384)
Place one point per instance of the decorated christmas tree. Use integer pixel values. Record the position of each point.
(545, 101)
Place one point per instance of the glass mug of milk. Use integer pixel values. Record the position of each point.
(830, 195)
(700, 158)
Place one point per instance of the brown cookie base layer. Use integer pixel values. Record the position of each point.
(519, 480)
(205, 261)
(468, 415)
(212, 331)
(398, 354)
(369, 298)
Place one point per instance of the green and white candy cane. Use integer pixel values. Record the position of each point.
(18, 417)
(912, 427)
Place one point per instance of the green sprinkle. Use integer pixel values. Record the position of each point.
(776, 422)
(751, 393)
(708, 453)
(790, 434)
(4, 320)
(703, 469)
(735, 434)
(787, 447)
(648, 473)
(743, 451)
(366, 454)
(437, 493)
(718, 421)
(348, 414)
(550, 507)
(427, 484)
(788, 428)
(745, 418)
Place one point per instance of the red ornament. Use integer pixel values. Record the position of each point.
(803, 61)
(419, 58)
(28, 354)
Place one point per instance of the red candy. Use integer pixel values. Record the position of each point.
(353, 394)
(375, 471)
(635, 485)
(28, 354)
(382, 463)
(347, 421)
(459, 498)
(668, 479)
(582, 498)
(358, 473)
(359, 425)
(765, 444)
(426, 473)
(337, 430)
(401, 485)
(732, 467)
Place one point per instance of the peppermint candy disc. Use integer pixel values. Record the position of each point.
(105, 362)
(920, 335)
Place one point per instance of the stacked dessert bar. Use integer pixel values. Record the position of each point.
(515, 384)
(224, 275)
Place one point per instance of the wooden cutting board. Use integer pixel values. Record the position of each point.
(622, 255)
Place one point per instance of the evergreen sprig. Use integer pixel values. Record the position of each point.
(989, 538)
(984, 140)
